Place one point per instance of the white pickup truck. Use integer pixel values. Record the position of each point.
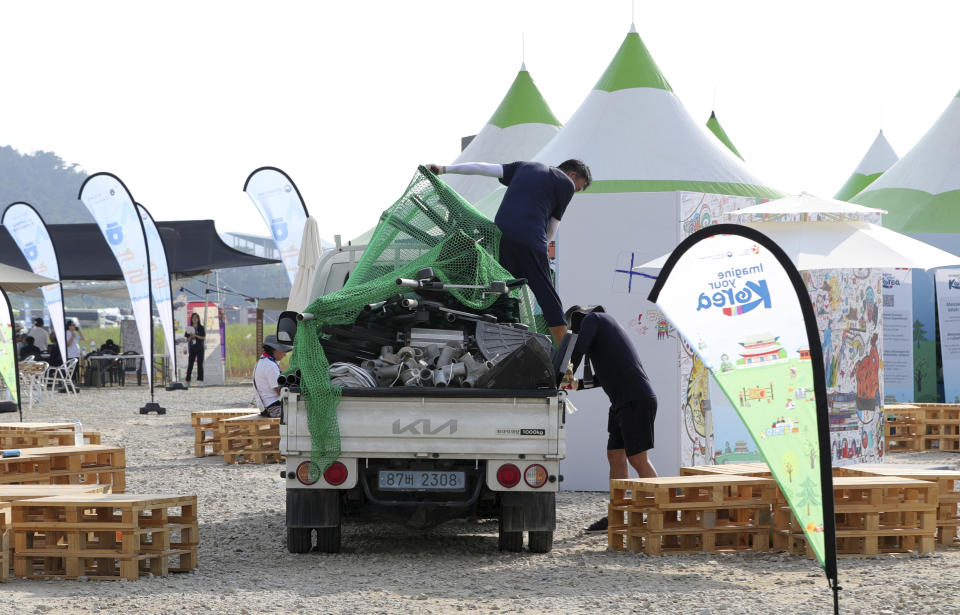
(425, 455)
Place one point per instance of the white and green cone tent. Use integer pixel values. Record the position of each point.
(518, 129)
(877, 160)
(921, 193)
(714, 125)
(522, 124)
(647, 156)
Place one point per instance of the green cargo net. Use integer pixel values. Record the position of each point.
(429, 226)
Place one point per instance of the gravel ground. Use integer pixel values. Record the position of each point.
(245, 567)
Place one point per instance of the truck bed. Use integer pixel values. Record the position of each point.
(439, 422)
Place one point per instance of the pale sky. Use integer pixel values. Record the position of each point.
(182, 100)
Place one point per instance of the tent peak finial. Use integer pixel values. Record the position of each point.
(633, 28)
(523, 67)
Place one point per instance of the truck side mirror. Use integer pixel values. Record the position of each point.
(287, 327)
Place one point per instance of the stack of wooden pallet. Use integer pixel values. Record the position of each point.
(12, 493)
(104, 536)
(205, 428)
(922, 427)
(948, 488)
(684, 514)
(941, 427)
(32, 435)
(874, 514)
(250, 439)
(903, 429)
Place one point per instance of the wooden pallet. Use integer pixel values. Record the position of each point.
(104, 536)
(33, 439)
(903, 428)
(250, 439)
(24, 470)
(948, 491)
(874, 514)
(5, 557)
(683, 514)
(756, 468)
(89, 464)
(29, 426)
(206, 437)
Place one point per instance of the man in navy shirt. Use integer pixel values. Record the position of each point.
(633, 404)
(537, 196)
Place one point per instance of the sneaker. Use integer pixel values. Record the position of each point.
(199, 383)
(600, 525)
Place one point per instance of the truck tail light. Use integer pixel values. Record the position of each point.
(336, 474)
(303, 474)
(535, 476)
(508, 475)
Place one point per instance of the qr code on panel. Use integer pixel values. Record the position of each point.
(888, 301)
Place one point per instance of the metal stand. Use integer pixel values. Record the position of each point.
(176, 386)
(153, 407)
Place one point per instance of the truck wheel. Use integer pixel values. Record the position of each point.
(328, 539)
(540, 542)
(299, 539)
(509, 541)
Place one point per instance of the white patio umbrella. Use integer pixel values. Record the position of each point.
(310, 251)
(804, 203)
(844, 245)
(16, 280)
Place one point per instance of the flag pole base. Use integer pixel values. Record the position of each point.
(153, 407)
(176, 386)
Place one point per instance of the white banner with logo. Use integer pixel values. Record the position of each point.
(948, 309)
(30, 234)
(898, 335)
(113, 208)
(160, 279)
(282, 208)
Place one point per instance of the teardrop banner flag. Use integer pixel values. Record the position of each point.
(112, 207)
(279, 202)
(9, 369)
(744, 310)
(30, 234)
(160, 282)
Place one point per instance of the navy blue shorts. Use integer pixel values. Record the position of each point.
(631, 426)
(524, 261)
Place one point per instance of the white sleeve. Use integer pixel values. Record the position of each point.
(475, 168)
(552, 226)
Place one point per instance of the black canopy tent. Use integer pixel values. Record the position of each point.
(193, 247)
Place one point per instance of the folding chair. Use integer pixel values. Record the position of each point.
(62, 375)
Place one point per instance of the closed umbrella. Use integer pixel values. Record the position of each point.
(310, 251)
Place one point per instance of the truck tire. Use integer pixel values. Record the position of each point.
(328, 539)
(299, 539)
(509, 541)
(540, 542)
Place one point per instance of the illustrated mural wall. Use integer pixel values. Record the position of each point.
(847, 303)
(849, 315)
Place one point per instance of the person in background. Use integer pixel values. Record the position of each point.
(633, 405)
(30, 349)
(195, 335)
(109, 347)
(53, 349)
(39, 334)
(265, 374)
(74, 337)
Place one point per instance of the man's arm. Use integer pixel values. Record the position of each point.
(469, 168)
(552, 227)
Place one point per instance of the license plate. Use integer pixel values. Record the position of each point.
(421, 480)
